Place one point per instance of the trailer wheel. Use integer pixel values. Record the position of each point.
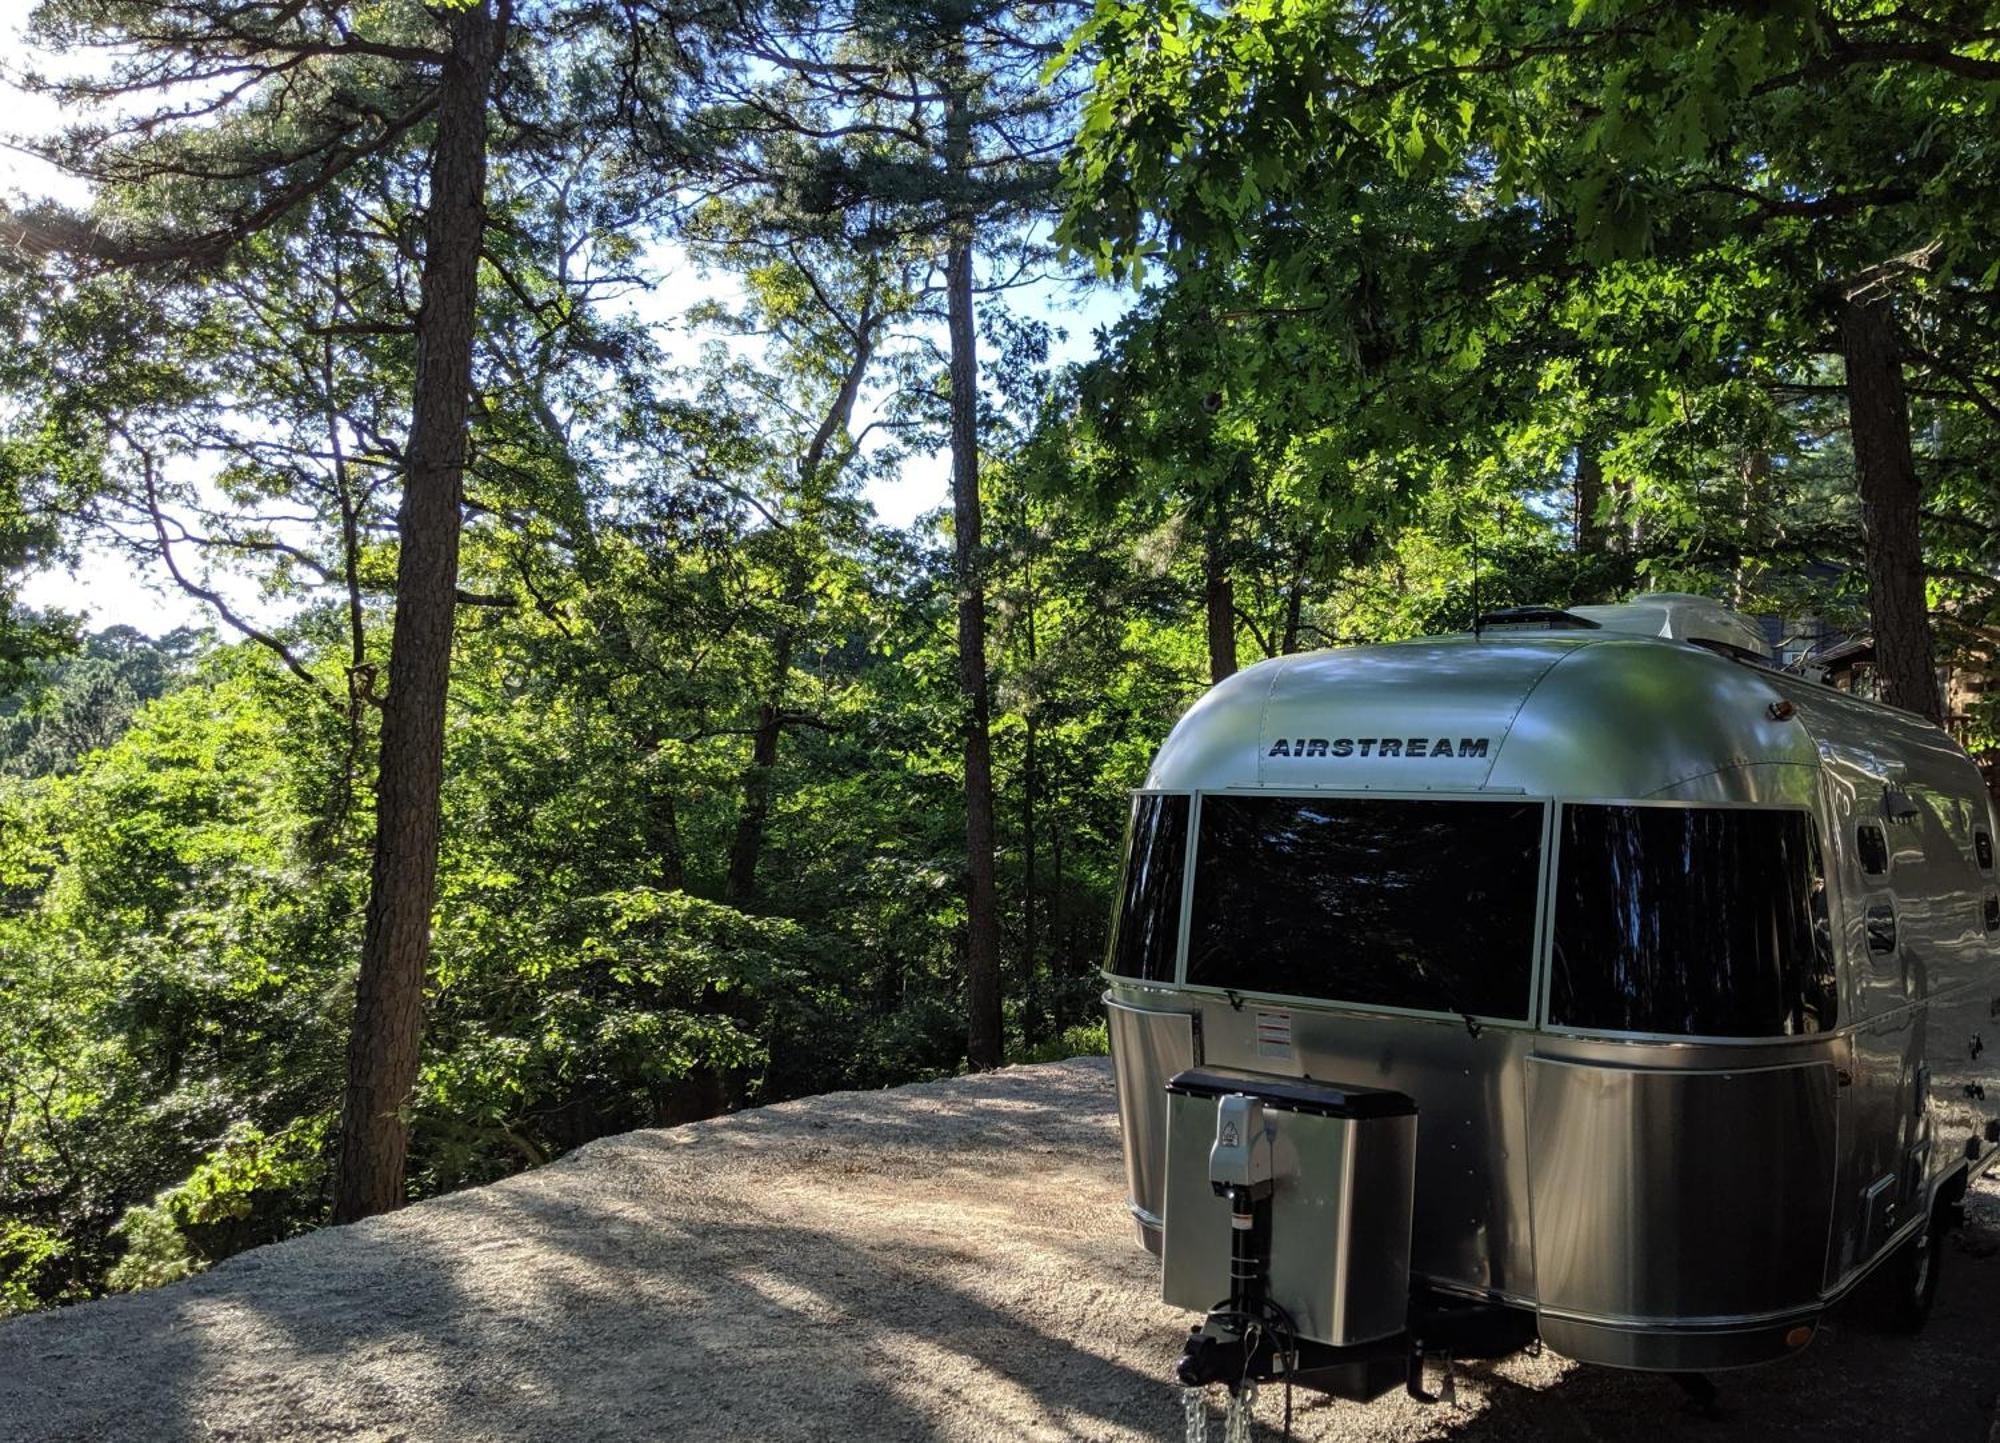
(1911, 1278)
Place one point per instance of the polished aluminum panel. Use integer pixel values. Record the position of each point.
(1340, 1220)
(1472, 1223)
(1632, 719)
(1315, 702)
(1375, 717)
(1664, 1349)
(1883, 1123)
(1582, 714)
(1924, 1084)
(1149, 1044)
(1630, 1169)
(1680, 1195)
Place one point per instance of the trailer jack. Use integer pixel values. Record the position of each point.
(1250, 1338)
(1413, 1384)
(1217, 1353)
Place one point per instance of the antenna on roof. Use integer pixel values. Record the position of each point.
(1472, 535)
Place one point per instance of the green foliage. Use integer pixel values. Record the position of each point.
(82, 703)
(156, 1251)
(1476, 246)
(222, 1206)
(1438, 309)
(28, 638)
(27, 1252)
(1086, 1039)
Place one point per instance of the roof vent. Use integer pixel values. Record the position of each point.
(1533, 618)
(1677, 616)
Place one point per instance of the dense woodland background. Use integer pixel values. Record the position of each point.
(612, 764)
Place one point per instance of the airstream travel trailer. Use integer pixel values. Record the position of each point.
(1585, 979)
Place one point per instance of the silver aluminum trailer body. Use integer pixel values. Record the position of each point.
(1674, 1156)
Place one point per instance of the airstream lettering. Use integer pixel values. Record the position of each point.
(1415, 748)
(1589, 979)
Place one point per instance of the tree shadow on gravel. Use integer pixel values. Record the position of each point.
(783, 1282)
(532, 1312)
(768, 1329)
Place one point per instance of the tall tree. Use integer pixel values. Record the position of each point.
(1833, 145)
(1885, 468)
(295, 100)
(395, 950)
(827, 318)
(942, 124)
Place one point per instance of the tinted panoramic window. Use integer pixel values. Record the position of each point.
(1148, 924)
(1417, 904)
(1701, 921)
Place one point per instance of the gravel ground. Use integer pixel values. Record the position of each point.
(947, 1261)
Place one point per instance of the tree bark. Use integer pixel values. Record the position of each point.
(1755, 474)
(663, 837)
(982, 942)
(1058, 940)
(841, 412)
(815, 481)
(1625, 533)
(1878, 416)
(1031, 1002)
(1219, 599)
(747, 845)
(395, 951)
(1586, 532)
(1295, 602)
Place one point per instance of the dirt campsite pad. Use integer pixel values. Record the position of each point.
(946, 1261)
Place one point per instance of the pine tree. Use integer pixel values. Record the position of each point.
(935, 129)
(286, 103)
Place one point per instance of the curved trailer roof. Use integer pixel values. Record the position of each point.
(1615, 708)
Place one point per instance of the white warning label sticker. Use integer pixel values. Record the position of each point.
(1274, 1035)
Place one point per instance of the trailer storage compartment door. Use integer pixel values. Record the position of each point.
(1679, 1197)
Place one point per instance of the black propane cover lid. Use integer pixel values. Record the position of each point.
(1294, 1094)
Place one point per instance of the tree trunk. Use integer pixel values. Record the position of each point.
(395, 950)
(1219, 599)
(1755, 474)
(982, 942)
(1879, 422)
(1586, 533)
(1058, 941)
(747, 846)
(1295, 603)
(1623, 538)
(835, 422)
(663, 837)
(1030, 989)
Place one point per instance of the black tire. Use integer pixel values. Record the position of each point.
(1910, 1279)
